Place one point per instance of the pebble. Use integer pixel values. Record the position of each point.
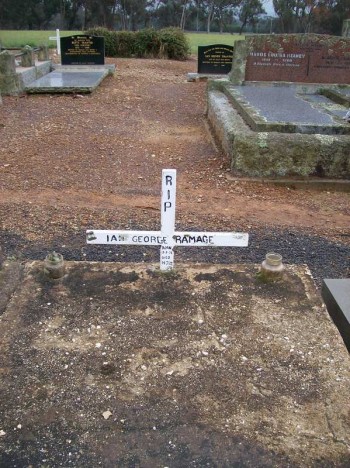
(107, 414)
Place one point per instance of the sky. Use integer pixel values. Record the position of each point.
(269, 8)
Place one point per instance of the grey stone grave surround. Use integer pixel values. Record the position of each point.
(261, 142)
(28, 58)
(13, 79)
(10, 82)
(43, 54)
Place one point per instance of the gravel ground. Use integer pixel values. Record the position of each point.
(325, 258)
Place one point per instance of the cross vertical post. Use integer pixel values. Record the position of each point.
(58, 41)
(168, 206)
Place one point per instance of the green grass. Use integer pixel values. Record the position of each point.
(202, 39)
(36, 38)
(31, 38)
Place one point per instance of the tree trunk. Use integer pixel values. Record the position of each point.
(243, 26)
(183, 17)
(210, 17)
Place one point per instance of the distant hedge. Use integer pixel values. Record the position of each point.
(168, 43)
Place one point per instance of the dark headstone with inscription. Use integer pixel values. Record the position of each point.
(82, 50)
(303, 58)
(215, 59)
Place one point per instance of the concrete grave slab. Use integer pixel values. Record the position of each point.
(70, 80)
(287, 109)
(121, 365)
(336, 294)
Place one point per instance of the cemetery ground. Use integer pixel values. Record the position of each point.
(71, 163)
(203, 367)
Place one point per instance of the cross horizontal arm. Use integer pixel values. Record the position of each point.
(125, 237)
(183, 239)
(211, 239)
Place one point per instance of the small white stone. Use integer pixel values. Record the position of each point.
(200, 322)
(107, 414)
(2, 433)
(98, 345)
(143, 367)
(205, 353)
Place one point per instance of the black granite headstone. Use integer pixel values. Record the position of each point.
(215, 59)
(82, 50)
(336, 295)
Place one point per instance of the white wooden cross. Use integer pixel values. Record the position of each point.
(167, 237)
(58, 41)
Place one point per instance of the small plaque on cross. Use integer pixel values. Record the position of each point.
(167, 238)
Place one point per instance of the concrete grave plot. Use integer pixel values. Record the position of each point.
(123, 365)
(15, 74)
(70, 79)
(283, 110)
